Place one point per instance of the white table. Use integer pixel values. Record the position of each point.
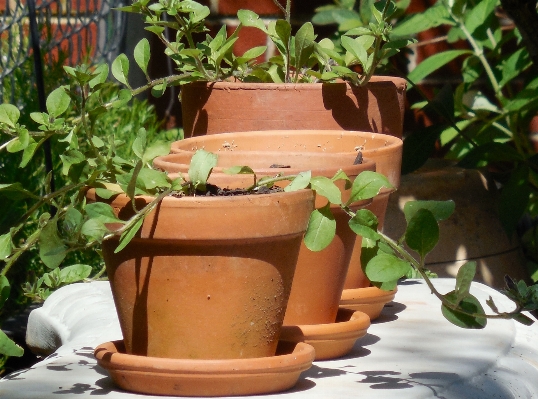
(411, 351)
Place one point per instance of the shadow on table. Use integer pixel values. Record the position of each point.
(394, 380)
(390, 312)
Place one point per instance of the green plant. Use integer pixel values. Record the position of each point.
(484, 120)
(300, 58)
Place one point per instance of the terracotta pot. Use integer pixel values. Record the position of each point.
(319, 278)
(210, 108)
(473, 232)
(384, 150)
(207, 277)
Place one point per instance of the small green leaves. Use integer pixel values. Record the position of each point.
(302, 180)
(202, 163)
(321, 229)
(51, 247)
(473, 316)
(239, 170)
(304, 45)
(5, 289)
(5, 245)
(142, 55)
(120, 69)
(385, 267)
(364, 223)
(57, 102)
(441, 210)
(250, 18)
(422, 232)
(367, 185)
(325, 187)
(8, 347)
(9, 114)
(464, 279)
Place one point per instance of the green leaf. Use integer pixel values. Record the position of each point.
(72, 274)
(283, 31)
(250, 18)
(239, 170)
(101, 211)
(304, 45)
(5, 289)
(364, 223)
(156, 149)
(101, 75)
(94, 229)
(385, 268)
(367, 185)
(202, 163)
(490, 152)
(525, 320)
(71, 157)
(8, 347)
(14, 191)
(325, 187)
(9, 114)
(128, 235)
(139, 144)
(418, 147)
(120, 69)
(441, 210)
(464, 279)
(431, 17)
(28, 154)
(355, 48)
(251, 54)
(469, 304)
(150, 179)
(321, 229)
(479, 15)
(106, 193)
(142, 55)
(57, 102)
(5, 245)
(422, 232)
(302, 180)
(51, 247)
(433, 63)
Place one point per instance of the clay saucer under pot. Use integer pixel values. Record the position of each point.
(197, 377)
(369, 300)
(331, 340)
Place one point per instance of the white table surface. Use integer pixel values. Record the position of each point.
(411, 351)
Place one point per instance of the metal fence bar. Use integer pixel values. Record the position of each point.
(71, 32)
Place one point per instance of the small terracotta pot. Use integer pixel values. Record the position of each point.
(210, 108)
(207, 277)
(319, 278)
(384, 150)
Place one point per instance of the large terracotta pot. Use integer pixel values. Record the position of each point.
(220, 107)
(319, 277)
(207, 277)
(384, 150)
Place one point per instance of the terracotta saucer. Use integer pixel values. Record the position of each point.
(330, 340)
(369, 300)
(185, 377)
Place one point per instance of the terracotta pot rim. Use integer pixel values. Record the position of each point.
(350, 170)
(113, 355)
(366, 295)
(194, 202)
(392, 143)
(351, 323)
(238, 85)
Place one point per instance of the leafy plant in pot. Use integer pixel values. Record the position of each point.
(308, 84)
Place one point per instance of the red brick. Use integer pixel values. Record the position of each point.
(80, 46)
(61, 6)
(3, 6)
(261, 7)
